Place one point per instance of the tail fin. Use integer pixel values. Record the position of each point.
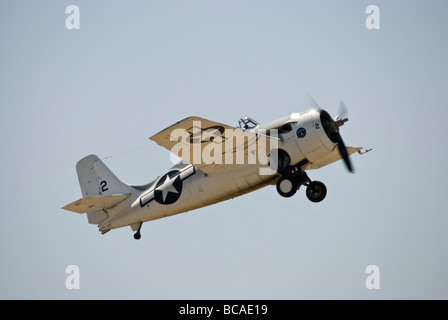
(96, 179)
(104, 195)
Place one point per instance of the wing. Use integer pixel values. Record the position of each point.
(332, 157)
(211, 146)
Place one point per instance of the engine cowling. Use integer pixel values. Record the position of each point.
(311, 137)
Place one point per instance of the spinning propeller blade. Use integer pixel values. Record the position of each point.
(334, 133)
(339, 121)
(342, 112)
(312, 102)
(344, 154)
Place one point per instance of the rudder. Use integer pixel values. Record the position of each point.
(96, 179)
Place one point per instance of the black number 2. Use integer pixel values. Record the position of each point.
(103, 185)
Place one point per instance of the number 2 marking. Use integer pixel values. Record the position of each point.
(103, 185)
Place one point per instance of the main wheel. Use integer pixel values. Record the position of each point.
(287, 186)
(316, 191)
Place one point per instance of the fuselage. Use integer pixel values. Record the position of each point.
(185, 188)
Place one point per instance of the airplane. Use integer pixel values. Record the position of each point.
(286, 147)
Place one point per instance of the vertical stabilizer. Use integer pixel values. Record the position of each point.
(96, 179)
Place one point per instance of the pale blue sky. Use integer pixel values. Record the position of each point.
(130, 71)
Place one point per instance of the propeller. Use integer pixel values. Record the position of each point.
(331, 127)
(339, 120)
(344, 154)
(342, 112)
(312, 102)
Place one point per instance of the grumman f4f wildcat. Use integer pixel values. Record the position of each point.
(220, 162)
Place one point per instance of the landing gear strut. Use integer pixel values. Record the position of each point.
(292, 178)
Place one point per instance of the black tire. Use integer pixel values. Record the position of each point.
(286, 186)
(137, 236)
(316, 191)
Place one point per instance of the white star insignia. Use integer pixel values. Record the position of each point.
(167, 186)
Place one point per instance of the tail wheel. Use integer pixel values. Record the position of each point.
(316, 191)
(138, 235)
(287, 186)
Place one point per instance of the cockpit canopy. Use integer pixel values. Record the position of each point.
(247, 123)
(283, 125)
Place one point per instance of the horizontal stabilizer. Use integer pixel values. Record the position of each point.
(91, 204)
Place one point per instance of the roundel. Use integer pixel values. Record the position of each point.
(169, 188)
(301, 132)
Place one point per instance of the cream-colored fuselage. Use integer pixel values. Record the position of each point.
(188, 189)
